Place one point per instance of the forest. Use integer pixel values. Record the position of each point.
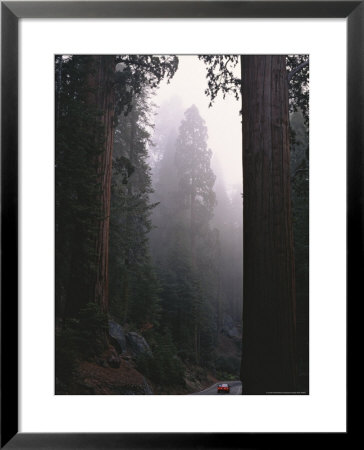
(177, 267)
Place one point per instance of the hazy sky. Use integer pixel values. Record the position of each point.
(222, 119)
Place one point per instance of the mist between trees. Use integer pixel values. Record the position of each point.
(149, 237)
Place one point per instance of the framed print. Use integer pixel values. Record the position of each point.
(139, 228)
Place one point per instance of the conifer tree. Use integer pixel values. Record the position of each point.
(133, 285)
(194, 173)
(90, 94)
(269, 304)
(185, 260)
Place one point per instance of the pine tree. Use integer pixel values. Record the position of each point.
(186, 258)
(77, 186)
(90, 93)
(133, 284)
(194, 173)
(197, 200)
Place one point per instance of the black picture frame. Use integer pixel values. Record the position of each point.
(11, 12)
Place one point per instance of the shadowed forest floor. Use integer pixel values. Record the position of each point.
(95, 377)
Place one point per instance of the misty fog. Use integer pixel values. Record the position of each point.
(224, 138)
(223, 120)
(149, 223)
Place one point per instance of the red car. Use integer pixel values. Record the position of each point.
(224, 387)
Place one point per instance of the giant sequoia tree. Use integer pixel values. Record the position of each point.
(268, 359)
(90, 92)
(101, 98)
(183, 242)
(194, 173)
(196, 200)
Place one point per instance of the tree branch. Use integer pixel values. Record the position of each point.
(293, 72)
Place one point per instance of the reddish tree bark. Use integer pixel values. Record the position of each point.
(268, 358)
(102, 98)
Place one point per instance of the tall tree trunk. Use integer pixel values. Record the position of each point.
(101, 97)
(268, 358)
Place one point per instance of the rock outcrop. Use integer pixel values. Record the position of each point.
(137, 344)
(117, 334)
(130, 342)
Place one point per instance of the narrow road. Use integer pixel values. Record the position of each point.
(235, 389)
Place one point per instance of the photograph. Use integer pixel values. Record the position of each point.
(181, 224)
(182, 211)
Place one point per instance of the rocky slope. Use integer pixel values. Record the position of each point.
(114, 372)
